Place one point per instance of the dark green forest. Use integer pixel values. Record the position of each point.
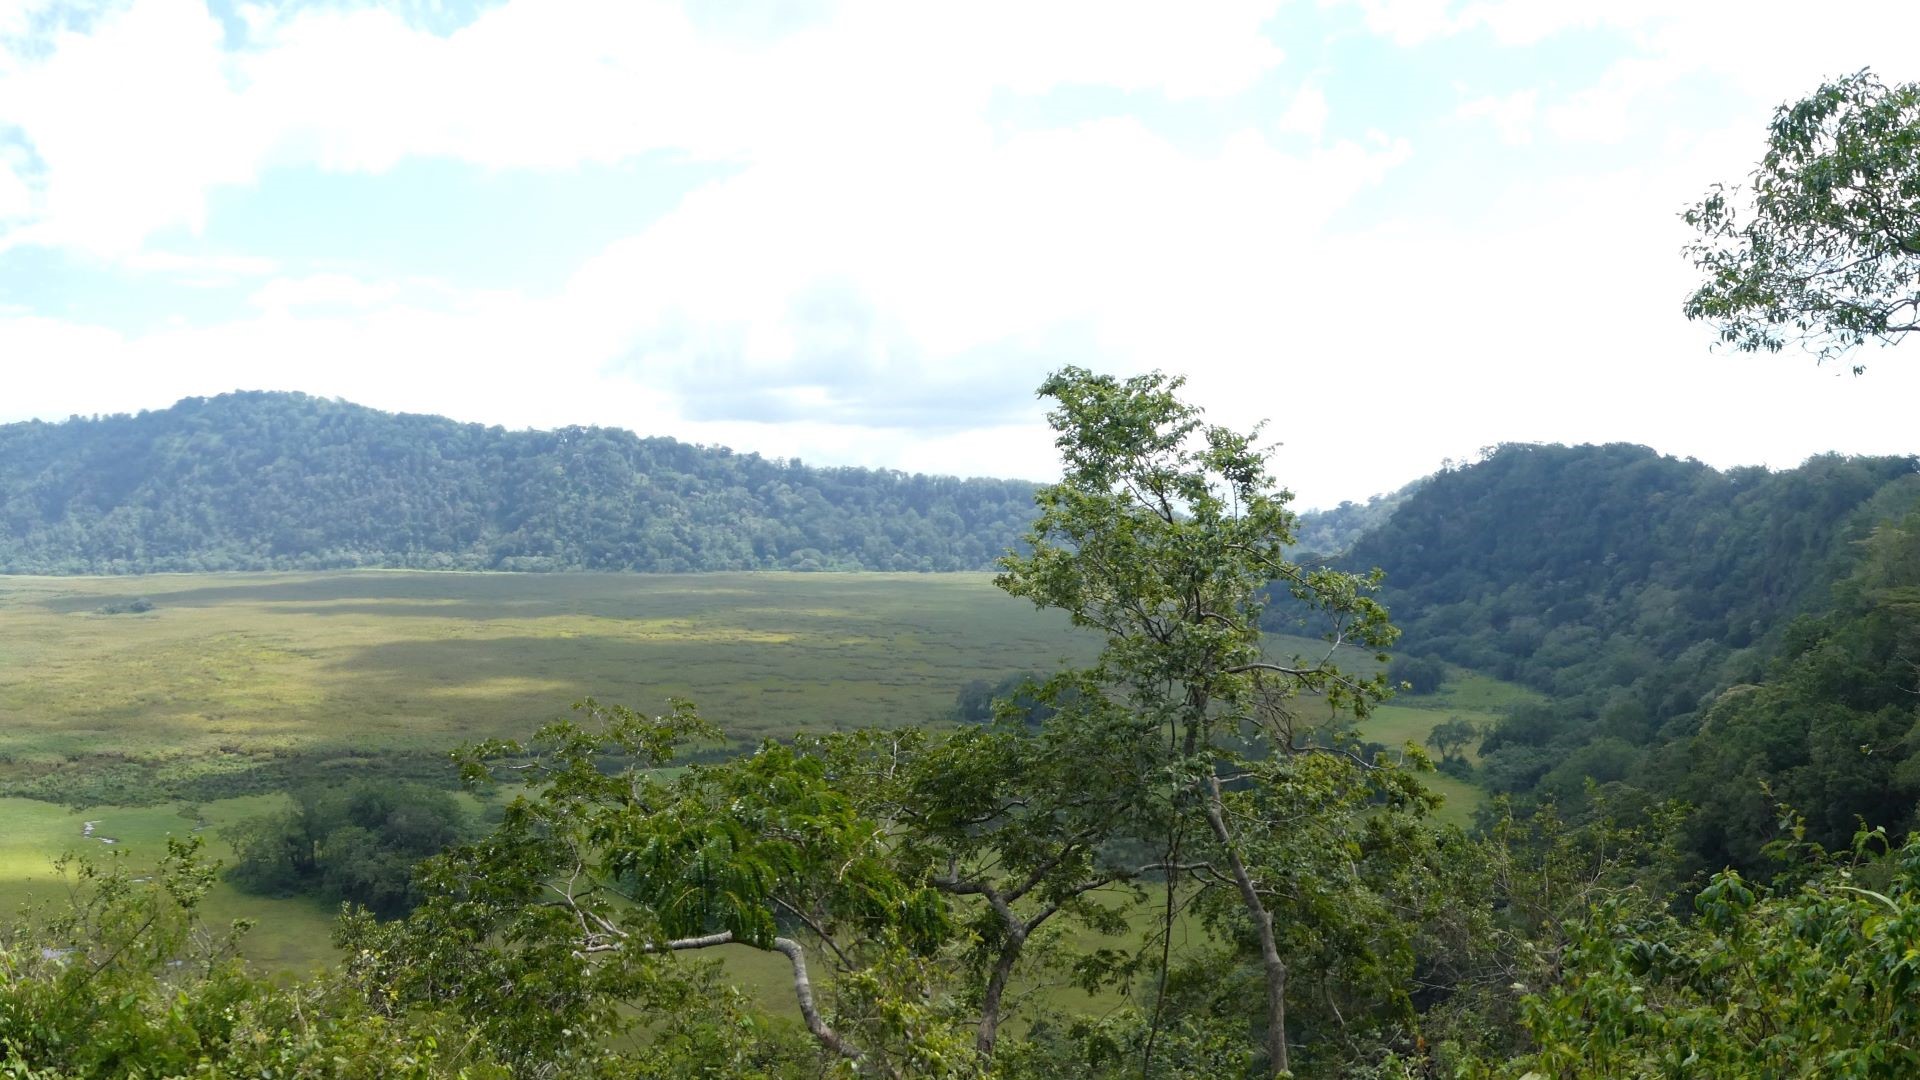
(1584, 570)
(1729, 639)
(273, 481)
(354, 843)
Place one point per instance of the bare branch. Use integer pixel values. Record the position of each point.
(795, 953)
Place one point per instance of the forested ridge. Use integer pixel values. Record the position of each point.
(254, 481)
(1732, 640)
(1581, 570)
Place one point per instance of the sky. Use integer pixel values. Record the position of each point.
(1397, 231)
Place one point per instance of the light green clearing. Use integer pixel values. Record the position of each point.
(1470, 696)
(232, 669)
(288, 935)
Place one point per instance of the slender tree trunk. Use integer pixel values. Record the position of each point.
(989, 1029)
(1275, 968)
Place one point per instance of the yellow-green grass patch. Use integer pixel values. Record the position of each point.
(246, 666)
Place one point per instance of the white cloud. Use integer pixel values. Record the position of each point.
(16, 199)
(133, 121)
(138, 118)
(174, 262)
(875, 310)
(1406, 22)
(327, 290)
(874, 279)
(1306, 114)
(884, 276)
(1511, 116)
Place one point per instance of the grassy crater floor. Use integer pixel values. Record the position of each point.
(174, 719)
(228, 672)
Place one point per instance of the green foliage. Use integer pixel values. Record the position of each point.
(1111, 1047)
(139, 605)
(354, 843)
(1822, 248)
(568, 915)
(928, 872)
(1451, 736)
(1518, 897)
(926, 893)
(128, 982)
(1333, 532)
(1815, 979)
(1582, 570)
(1163, 536)
(258, 481)
(980, 701)
(1831, 729)
(1632, 588)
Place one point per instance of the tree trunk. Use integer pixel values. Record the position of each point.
(989, 1029)
(1275, 968)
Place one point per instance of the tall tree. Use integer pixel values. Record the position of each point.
(1163, 535)
(1822, 248)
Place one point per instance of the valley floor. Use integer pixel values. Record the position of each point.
(187, 718)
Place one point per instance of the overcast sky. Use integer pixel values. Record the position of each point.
(861, 233)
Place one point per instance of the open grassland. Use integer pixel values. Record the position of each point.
(174, 720)
(1466, 695)
(288, 935)
(228, 672)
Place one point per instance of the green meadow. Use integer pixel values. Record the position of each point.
(196, 714)
(228, 670)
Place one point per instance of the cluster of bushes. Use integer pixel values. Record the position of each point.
(139, 605)
(357, 843)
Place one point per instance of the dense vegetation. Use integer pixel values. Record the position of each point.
(1334, 531)
(1727, 639)
(931, 874)
(1613, 574)
(354, 843)
(254, 481)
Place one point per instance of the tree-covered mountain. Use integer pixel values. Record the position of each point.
(251, 481)
(1581, 570)
(1729, 639)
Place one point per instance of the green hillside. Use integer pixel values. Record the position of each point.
(1733, 640)
(273, 481)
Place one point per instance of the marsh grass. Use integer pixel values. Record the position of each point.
(233, 687)
(230, 674)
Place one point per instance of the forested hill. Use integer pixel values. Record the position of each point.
(1736, 641)
(1582, 569)
(250, 481)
